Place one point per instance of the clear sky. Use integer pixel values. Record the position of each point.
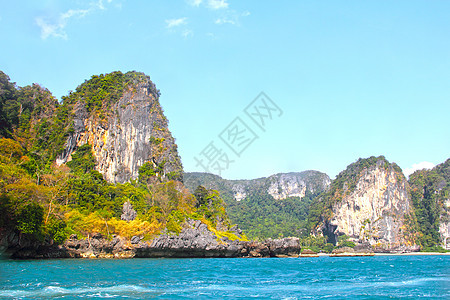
(347, 79)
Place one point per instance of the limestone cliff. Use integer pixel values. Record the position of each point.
(125, 126)
(297, 184)
(370, 203)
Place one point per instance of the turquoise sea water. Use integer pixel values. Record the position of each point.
(379, 277)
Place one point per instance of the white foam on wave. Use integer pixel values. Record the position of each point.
(50, 291)
(417, 281)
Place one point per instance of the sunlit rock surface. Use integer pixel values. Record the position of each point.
(133, 132)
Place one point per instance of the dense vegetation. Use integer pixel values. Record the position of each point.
(44, 202)
(430, 189)
(102, 91)
(259, 214)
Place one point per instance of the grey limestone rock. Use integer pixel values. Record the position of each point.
(374, 208)
(135, 239)
(128, 213)
(284, 247)
(280, 186)
(134, 132)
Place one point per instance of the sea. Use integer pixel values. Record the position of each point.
(378, 277)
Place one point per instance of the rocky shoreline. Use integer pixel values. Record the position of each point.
(194, 241)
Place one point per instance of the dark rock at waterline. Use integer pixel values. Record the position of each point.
(195, 240)
(398, 249)
(343, 250)
(284, 247)
(15, 245)
(256, 249)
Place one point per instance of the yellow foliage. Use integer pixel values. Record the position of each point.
(135, 227)
(23, 190)
(10, 149)
(94, 223)
(220, 234)
(171, 195)
(86, 224)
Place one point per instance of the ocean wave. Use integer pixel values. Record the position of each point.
(416, 281)
(103, 292)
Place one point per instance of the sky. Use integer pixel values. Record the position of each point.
(254, 88)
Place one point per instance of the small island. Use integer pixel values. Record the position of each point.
(98, 175)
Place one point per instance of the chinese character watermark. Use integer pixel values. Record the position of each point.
(262, 109)
(212, 159)
(238, 135)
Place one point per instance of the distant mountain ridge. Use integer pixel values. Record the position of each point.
(268, 207)
(279, 186)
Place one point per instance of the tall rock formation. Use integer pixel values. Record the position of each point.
(370, 203)
(430, 191)
(120, 116)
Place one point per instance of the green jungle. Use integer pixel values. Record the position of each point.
(46, 202)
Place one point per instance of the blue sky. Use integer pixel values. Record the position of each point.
(351, 78)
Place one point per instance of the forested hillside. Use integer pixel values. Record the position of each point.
(272, 207)
(430, 192)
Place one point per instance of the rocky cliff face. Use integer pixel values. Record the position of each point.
(131, 132)
(370, 203)
(279, 186)
(287, 185)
